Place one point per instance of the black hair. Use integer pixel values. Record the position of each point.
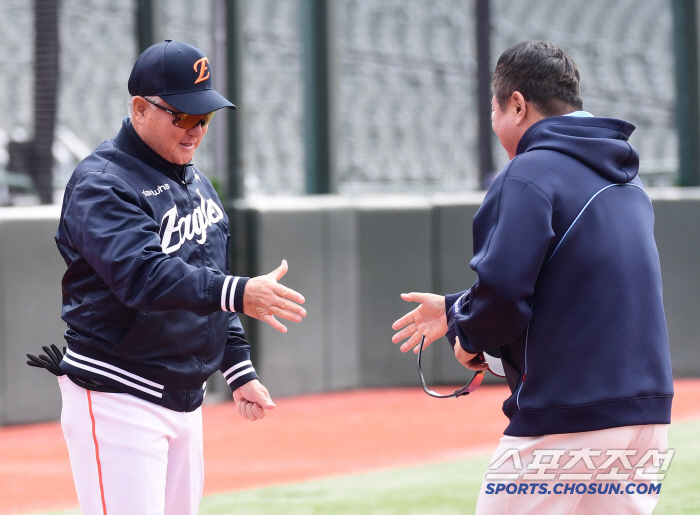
(543, 73)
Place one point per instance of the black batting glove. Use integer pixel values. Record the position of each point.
(50, 361)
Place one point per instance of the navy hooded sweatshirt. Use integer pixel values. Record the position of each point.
(569, 283)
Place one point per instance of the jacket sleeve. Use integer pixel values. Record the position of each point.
(236, 366)
(452, 304)
(512, 233)
(106, 223)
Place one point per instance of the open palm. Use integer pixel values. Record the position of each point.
(428, 319)
(265, 298)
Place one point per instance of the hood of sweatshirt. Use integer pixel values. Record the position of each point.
(600, 143)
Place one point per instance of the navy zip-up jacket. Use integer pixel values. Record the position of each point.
(569, 283)
(150, 307)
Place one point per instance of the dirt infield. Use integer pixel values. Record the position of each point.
(305, 437)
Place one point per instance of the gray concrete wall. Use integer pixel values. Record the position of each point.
(351, 258)
(30, 308)
(294, 361)
(453, 250)
(677, 233)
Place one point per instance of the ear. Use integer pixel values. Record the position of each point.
(520, 107)
(139, 106)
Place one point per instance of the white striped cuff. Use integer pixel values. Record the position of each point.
(239, 370)
(228, 293)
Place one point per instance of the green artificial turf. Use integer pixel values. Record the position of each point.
(440, 489)
(680, 490)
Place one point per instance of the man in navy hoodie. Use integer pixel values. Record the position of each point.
(569, 297)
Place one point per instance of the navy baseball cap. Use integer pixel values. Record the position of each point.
(178, 73)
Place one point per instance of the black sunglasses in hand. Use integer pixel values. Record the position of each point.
(468, 388)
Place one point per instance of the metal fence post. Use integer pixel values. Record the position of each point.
(685, 40)
(483, 95)
(145, 33)
(234, 92)
(317, 37)
(35, 157)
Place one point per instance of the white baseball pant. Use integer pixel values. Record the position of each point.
(131, 456)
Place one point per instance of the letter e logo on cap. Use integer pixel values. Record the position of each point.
(201, 67)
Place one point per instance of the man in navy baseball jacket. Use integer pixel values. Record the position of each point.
(568, 296)
(151, 308)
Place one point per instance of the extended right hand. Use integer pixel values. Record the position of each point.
(264, 298)
(428, 319)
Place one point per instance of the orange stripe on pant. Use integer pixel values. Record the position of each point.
(97, 453)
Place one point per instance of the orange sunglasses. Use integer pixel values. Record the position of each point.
(184, 120)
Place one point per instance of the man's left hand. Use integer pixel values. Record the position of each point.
(253, 400)
(428, 319)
